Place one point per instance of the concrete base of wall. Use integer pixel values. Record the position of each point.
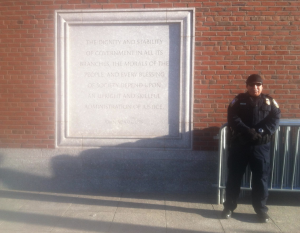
(105, 171)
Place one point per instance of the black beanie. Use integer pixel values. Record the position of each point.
(254, 78)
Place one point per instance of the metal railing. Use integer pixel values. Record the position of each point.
(285, 161)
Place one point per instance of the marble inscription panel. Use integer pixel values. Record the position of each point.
(119, 80)
(124, 78)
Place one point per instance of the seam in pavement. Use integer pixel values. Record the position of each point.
(111, 223)
(276, 225)
(62, 216)
(218, 218)
(165, 204)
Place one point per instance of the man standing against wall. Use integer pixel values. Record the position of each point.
(252, 118)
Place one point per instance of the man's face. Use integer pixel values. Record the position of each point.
(254, 89)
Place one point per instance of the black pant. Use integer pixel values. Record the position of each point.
(258, 157)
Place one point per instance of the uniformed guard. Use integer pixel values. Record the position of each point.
(253, 118)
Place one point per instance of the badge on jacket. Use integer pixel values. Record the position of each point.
(275, 103)
(268, 101)
(233, 101)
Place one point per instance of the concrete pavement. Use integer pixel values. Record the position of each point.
(138, 213)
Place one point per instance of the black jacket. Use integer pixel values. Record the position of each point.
(246, 112)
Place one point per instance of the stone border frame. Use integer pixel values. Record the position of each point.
(185, 17)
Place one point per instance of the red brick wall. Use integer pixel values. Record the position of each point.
(233, 39)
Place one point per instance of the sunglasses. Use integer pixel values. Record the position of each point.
(255, 84)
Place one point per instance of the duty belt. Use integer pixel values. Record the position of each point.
(240, 139)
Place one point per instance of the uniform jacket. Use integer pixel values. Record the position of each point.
(246, 112)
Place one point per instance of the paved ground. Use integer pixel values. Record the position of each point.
(137, 213)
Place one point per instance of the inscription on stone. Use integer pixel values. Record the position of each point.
(124, 78)
(120, 76)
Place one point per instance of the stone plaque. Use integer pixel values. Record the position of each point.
(124, 78)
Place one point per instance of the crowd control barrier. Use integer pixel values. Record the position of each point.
(285, 161)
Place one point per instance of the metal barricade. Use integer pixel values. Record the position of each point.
(285, 161)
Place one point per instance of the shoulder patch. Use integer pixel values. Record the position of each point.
(233, 101)
(275, 103)
(268, 101)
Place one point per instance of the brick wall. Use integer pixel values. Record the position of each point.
(233, 39)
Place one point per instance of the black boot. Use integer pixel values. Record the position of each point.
(226, 213)
(263, 217)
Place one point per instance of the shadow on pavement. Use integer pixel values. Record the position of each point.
(93, 201)
(275, 198)
(85, 225)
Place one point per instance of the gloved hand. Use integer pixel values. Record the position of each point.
(266, 138)
(253, 135)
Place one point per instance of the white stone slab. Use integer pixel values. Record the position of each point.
(124, 78)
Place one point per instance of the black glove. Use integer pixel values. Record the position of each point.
(266, 139)
(253, 135)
